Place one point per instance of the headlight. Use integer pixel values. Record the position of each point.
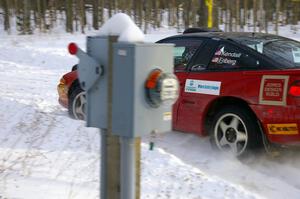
(62, 87)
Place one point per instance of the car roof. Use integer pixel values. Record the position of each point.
(235, 36)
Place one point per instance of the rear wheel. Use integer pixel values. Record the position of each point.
(77, 103)
(235, 130)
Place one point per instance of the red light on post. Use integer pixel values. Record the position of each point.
(73, 48)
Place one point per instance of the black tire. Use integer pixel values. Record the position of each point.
(74, 67)
(235, 129)
(77, 103)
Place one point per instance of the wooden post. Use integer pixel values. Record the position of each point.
(138, 168)
(112, 156)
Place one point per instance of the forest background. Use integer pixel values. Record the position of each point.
(31, 16)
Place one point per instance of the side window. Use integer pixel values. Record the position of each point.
(229, 57)
(183, 52)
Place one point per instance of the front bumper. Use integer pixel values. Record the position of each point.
(281, 124)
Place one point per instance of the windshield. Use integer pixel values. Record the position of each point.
(284, 51)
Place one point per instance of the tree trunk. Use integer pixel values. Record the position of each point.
(140, 12)
(82, 15)
(101, 11)
(109, 8)
(277, 16)
(187, 9)
(261, 15)
(238, 21)
(147, 17)
(96, 14)
(69, 15)
(6, 15)
(26, 17)
(178, 16)
(254, 15)
(245, 21)
(202, 14)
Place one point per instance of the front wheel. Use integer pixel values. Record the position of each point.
(77, 103)
(235, 130)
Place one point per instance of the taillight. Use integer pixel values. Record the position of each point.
(295, 89)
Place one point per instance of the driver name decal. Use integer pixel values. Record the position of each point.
(202, 86)
(222, 52)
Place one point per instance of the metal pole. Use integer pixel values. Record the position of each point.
(103, 158)
(128, 173)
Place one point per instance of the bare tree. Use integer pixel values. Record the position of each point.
(277, 16)
(82, 17)
(261, 15)
(26, 17)
(254, 13)
(95, 14)
(5, 4)
(69, 15)
(238, 21)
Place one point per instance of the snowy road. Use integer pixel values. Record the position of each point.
(46, 155)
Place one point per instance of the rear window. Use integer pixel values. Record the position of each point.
(285, 52)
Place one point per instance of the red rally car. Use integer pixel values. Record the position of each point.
(241, 89)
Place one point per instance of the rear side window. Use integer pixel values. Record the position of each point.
(228, 56)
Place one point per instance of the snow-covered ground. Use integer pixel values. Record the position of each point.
(46, 155)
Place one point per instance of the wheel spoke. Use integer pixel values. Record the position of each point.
(241, 136)
(223, 141)
(234, 123)
(223, 127)
(234, 148)
(82, 99)
(79, 110)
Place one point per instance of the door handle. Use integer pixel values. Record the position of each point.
(188, 102)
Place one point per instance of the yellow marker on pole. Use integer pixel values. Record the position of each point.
(209, 4)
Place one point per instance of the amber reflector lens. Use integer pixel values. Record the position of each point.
(152, 79)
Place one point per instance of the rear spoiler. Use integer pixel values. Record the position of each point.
(200, 29)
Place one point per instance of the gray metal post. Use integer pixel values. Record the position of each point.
(128, 168)
(103, 172)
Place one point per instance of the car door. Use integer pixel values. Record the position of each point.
(189, 107)
(217, 71)
(184, 51)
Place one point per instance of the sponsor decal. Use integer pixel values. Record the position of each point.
(273, 90)
(283, 129)
(222, 52)
(202, 86)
